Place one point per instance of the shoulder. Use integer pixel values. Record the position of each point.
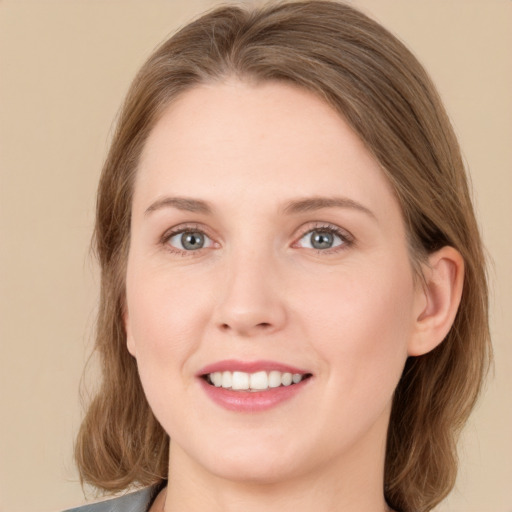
(138, 501)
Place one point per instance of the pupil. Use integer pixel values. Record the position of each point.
(192, 240)
(321, 240)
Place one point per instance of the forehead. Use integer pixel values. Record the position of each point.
(256, 142)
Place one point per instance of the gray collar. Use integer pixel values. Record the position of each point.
(138, 501)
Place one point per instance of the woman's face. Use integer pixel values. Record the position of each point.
(267, 247)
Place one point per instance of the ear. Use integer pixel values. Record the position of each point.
(130, 343)
(438, 300)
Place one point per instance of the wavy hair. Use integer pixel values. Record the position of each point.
(381, 90)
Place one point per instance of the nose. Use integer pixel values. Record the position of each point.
(252, 297)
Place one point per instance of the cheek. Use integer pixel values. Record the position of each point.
(163, 322)
(161, 307)
(361, 323)
(162, 326)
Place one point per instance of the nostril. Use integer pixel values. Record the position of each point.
(264, 326)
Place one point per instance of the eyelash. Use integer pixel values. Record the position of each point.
(187, 228)
(346, 238)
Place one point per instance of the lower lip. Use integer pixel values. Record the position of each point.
(252, 401)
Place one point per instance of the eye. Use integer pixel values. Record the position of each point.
(189, 240)
(323, 238)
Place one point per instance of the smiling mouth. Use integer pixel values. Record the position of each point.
(258, 381)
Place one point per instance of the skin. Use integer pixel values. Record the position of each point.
(350, 315)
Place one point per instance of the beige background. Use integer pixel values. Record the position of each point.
(64, 68)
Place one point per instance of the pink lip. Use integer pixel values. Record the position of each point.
(250, 401)
(232, 365)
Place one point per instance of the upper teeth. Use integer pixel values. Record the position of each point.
(255, 381)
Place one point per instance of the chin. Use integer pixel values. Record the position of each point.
(258, 461)
(255, 472)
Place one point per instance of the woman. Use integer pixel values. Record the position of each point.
(293, 285)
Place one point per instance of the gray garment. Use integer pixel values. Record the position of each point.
(138, 501)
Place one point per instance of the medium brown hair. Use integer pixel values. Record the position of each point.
(381, 90)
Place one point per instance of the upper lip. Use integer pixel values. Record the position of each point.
(233, 365)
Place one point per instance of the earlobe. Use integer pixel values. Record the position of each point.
(129, 338)
(439, 300)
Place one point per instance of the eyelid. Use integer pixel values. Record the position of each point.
(346, 237)
(183, 228)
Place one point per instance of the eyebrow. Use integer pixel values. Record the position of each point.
(317, 203)
(297, 206)
(181, 203)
